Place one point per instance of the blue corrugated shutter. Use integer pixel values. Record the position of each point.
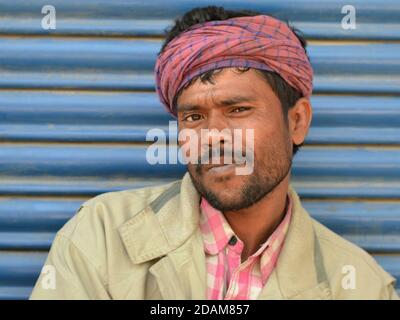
(76, 102)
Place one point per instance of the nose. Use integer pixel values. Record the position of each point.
(217, 129)
(215, 137)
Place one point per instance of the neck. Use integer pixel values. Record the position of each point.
(255, 224)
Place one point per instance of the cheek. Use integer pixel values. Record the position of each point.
(270, 138)
(189, 142)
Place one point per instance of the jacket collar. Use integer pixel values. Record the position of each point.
(161, 230)
(300, 271)
(168, 221)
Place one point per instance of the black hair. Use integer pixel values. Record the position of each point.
(287, 95)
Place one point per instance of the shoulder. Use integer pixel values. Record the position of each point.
(93, 229)
(343, 260)
(113, 208)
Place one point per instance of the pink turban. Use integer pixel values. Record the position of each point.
(259, 42)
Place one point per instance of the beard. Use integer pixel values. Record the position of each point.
(269, 171)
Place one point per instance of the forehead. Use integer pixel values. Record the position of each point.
(225, 84)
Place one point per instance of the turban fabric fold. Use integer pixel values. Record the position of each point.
(259, 42)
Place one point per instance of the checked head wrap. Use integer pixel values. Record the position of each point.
(259, 42)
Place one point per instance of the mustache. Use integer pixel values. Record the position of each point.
(209, 155)
(233, 157)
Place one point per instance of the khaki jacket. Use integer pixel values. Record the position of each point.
(146, 244)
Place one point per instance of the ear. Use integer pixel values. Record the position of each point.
(299, 117)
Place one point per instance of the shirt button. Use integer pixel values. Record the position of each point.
(232, 241)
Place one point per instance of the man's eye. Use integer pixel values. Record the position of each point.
(240, 109)
(192, 117)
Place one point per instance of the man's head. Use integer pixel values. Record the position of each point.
(241, 98)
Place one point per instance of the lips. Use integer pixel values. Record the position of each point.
(220, 168)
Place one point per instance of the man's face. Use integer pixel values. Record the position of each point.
(237, 100)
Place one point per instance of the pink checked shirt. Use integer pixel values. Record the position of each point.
(227, 277)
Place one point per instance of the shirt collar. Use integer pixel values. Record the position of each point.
(215, 229)
(217, 232)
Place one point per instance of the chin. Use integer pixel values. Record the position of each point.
(228, 181)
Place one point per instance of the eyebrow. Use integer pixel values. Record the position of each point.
(225, 102)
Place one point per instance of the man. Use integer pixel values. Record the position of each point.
(218, 234)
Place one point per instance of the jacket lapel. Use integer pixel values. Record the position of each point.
(181, 274)
(167, 232)
(299, 272)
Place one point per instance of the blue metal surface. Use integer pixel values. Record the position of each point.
(129, 161)
(127, 64)
(126, 117)
(76, 103)
(317, 19)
